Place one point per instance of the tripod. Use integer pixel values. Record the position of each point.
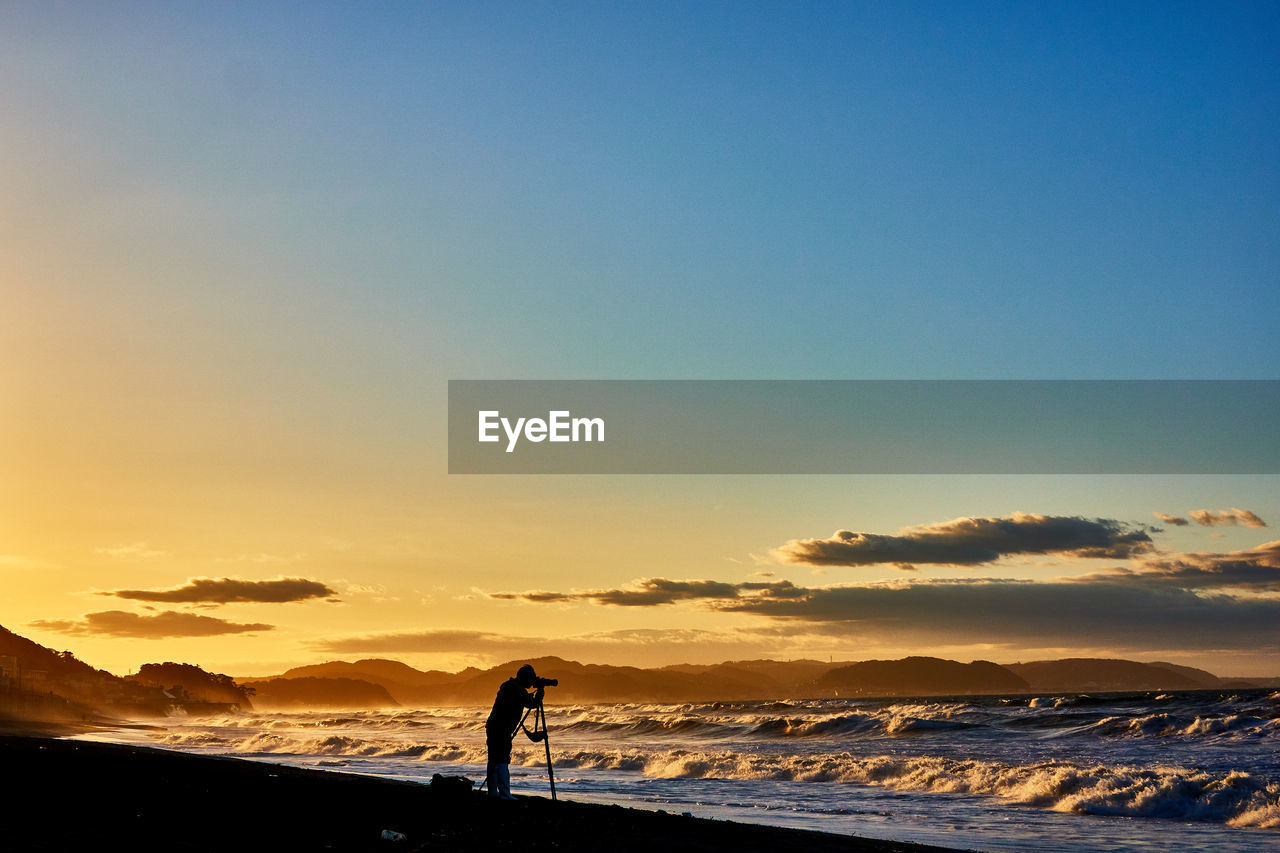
(539, 733)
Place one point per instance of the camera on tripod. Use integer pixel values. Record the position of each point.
(546, 682)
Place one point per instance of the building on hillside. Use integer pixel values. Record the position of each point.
(10, 676)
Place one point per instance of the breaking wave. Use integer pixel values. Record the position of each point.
(1234, 798)
(1216, 717)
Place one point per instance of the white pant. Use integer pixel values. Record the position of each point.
(500, 781)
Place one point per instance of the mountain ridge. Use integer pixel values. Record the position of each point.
(749, 680)
(385, 682)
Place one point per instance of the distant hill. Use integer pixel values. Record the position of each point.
(409, 686)
(919, 676)
(380, 682)
(56, 666)
(601, 683)
(92, 692)
(1199, 676)
(1081, 675)
(578, 682)
(746, 680)
(39, 683)
(787, 676)
(190, 683)
(726, 682)
(308, 691)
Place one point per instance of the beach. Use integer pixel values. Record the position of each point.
(80, 795)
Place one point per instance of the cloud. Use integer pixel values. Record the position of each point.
(1006, 611)
(1114, 612)
(229, 590)
(675, 643)
(1255, 569)
(644, 593)
(1158, 602)
(419, 641)
(1176, 521)
(167, 623)
(1233, 516)
(650, 592)
(1182, 601)
(974, 542)
(134, 549)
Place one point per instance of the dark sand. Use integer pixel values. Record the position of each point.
(68, 795)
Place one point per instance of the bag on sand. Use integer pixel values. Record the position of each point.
(451, 785)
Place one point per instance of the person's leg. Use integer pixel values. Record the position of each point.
(504, 782)
(499, 765)
(497, 757)
(491, 774)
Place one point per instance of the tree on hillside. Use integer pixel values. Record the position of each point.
(196, 683)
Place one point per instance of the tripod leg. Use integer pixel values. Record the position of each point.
(546, 742)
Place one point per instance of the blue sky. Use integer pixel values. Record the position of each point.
(711, 190)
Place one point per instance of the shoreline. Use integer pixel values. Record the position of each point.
(81, 794)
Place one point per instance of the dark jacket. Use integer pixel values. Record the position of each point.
(508, 708)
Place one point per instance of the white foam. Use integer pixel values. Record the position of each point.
(1239, 799)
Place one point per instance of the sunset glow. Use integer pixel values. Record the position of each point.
(243, 252)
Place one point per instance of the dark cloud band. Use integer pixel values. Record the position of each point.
(1116, 612)
(974, 542)
(1180, 601)
(231, 590)
(158, 626)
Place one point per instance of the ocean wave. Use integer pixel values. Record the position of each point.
(806, 742)
(1233, 798)
(1212, 727)
(893, 721)
(1186, 722)
(650, 726)
(272, 743)
(892, 724)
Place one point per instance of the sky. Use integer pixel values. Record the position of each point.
(243, 248)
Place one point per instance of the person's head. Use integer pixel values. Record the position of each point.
(526, 676)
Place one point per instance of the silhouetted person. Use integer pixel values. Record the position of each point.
(508, 711)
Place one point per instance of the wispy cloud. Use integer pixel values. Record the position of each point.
(262, 558)
(135, 550)
(974, 542)
(231, 590)
(674, 643)
(644, 593)
(1230, 517)
(158, 626)
(1176, 521)
(21, 561)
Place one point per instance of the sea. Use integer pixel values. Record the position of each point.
(1154, 771)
